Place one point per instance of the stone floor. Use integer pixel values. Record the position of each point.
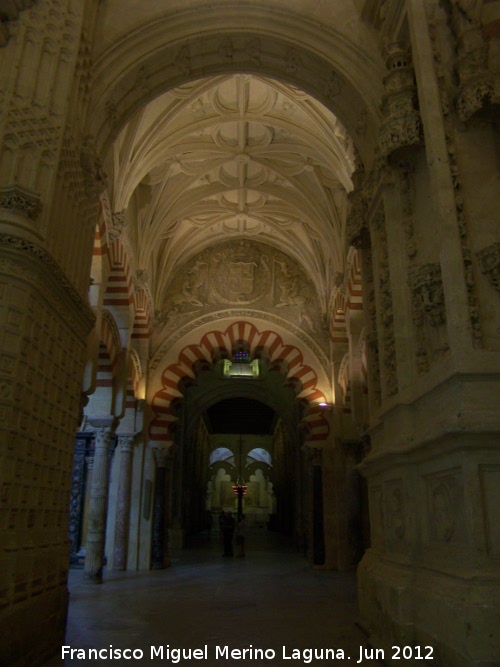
(268, 600)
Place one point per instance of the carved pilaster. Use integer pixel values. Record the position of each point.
(429, 305)
(372, 356)
(384, 305)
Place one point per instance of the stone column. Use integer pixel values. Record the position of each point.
(122, 519)
(159, 556)
(94, 558)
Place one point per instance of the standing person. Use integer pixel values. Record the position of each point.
(240, 536)
(227, 534)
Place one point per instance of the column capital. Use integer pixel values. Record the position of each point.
(162, 456)
(126, 442)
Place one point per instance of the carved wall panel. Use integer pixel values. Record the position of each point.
(243, 274)
(429, 313)
(395, 511)
(445, 507)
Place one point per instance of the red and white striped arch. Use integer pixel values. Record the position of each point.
(119, 292)
(163, 423)
(338, 323)
(354, 286)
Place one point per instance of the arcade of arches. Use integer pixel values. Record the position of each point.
(253, 243)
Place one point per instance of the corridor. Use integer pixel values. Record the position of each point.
(270, 600)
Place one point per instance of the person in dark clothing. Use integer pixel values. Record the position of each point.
(227, 534)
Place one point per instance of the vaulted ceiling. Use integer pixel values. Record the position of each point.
(234, 156)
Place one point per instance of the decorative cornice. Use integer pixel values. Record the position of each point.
(16, 199)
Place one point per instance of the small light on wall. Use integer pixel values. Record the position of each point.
(323, 405)
(140, 392)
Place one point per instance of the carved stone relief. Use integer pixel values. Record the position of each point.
(450, 129)
(429, 307)
(34, 112)
(18, 200)
(445, 507)
(402, 126)
(394, 511)
(243, 274)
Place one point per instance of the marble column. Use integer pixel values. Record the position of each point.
(94, 557)
(159, 556)
(122, 519)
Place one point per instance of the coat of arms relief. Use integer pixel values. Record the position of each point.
(242, 274)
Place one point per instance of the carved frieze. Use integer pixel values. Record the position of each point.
(18, 200)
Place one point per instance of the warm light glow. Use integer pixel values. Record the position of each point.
(140, 392)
